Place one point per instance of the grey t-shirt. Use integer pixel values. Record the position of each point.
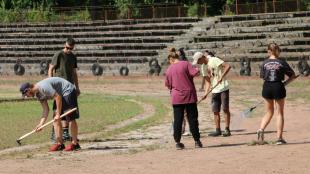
(52, 85)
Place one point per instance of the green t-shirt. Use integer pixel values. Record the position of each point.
(216, 72)
(64, 65)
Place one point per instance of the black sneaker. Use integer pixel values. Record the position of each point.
(179, 146)
(198, 144)
(260, 136)
(226, 133)
(280, 142)
(217, 133)
(66, 136)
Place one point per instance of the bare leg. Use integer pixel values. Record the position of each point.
(280, 117)
(58, 131)
(74, 131)
(227, 118)
(65, 123)
(269, 104)
(203, 82)
(217, 120)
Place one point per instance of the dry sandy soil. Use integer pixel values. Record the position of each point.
(220, 155)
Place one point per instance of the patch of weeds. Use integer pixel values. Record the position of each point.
(29, 155)
(133, 151)
(152, 147)
(255, 142)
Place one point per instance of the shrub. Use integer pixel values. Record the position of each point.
(83, 15)
(193, 10)
(8, 16)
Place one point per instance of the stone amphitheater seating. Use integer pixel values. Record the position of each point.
(135, 42)
(246, 36)
(113, 42)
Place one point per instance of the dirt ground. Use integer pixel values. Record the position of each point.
(153, 150)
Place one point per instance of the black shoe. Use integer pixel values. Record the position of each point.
(217, 132)
(198, 144)
(280, 142)
(226, 133)
(66, 136)
(179, 146)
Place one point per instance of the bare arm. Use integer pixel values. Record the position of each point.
(207, 84)
(76, 81)
(50, 70)
(290, 79)
(58, 101)
(45, 112)
(225, 67)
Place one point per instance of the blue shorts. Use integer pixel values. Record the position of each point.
(69, 102)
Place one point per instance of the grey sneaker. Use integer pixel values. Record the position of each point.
(226, 133)
(280, 142)
(260, 136)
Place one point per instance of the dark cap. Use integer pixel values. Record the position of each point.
(24, 88)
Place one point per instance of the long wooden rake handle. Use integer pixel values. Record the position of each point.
(44, 125)
(207, 93)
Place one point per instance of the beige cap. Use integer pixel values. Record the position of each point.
(196, 57)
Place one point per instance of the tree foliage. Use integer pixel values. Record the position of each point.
(40, 9)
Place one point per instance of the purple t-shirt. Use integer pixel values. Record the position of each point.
(179, 79)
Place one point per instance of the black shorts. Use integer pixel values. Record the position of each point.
(273, 90)
(219, 99)
(69, 102)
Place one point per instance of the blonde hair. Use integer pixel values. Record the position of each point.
(274, 49)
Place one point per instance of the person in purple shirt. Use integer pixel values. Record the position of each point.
(179, 80)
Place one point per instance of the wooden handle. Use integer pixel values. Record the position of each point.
(44, 125)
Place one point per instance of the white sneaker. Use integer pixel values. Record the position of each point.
(186, 133)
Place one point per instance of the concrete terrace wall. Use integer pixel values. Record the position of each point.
(246, 36)
(131, 43)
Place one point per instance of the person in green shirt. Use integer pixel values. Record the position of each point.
(64, 65)
(217, 69)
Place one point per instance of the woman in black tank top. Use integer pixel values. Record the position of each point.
(273, 71)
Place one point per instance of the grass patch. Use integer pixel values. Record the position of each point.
(161, 112)
(97, 111)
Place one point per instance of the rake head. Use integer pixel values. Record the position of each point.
(247, 113)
